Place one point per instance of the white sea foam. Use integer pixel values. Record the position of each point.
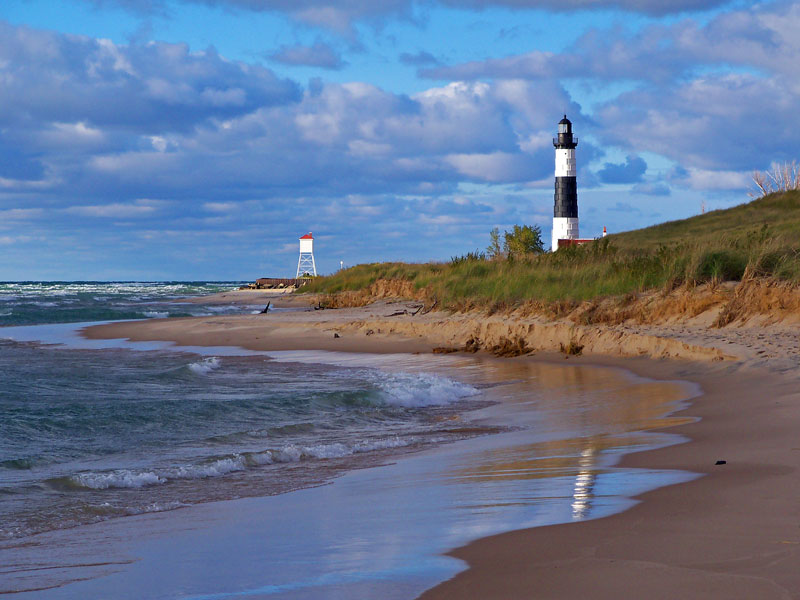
(205, 366)
(223, 309)
(413, 390)
(394, 442)
(156, 314)
(122, 478)
(215, 468)
(255, 459)
(291, 453)
(296, 453)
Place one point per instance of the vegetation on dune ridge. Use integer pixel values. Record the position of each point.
(754, 241)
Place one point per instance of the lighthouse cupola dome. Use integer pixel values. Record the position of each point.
(565, 139)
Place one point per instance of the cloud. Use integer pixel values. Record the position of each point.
(20, 214)
(761, 38)
(648, 7)
(420, 59)
(703, 179)
(336, 16)
(341, 16)
(113, 211)
(736, 117)
(88, 84)
(713, 122)
(652, 189)
(90, 127)
(220, 207)
(631, 171)
(624, 207)
(719, 96)
(319, 54)
(495, 167)
(198, 128)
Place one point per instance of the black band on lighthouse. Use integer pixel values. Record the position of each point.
(566, 197)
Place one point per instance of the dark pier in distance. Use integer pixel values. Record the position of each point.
(274, 283)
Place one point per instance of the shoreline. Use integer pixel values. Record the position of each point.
(444, 464)
(732, 533)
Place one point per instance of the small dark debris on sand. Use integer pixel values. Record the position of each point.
(508, 348)
(572, 349)
(445, 350)
(472, 345)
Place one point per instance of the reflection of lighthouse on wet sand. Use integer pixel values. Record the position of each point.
(583, 488)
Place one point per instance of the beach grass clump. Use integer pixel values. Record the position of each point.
(573, 348)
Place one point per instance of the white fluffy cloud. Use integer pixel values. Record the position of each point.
(233, 151)
(89, 127)
(720, 96)
(159, 121)
(157, 87)
(341, 14)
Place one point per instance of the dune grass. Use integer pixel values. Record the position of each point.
(758, 239)
(779, 212)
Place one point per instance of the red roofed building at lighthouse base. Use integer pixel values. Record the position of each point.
(563, 243)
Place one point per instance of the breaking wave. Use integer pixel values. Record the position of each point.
(421, 389)
(122, 478)
(205, 366)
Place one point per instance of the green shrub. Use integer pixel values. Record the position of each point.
(721, 265)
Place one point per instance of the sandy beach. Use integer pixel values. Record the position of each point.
(732, 533)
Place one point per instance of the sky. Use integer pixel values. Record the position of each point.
(199, 139)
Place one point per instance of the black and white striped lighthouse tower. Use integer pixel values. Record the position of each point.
(565, 211)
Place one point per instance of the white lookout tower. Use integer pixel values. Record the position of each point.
(305, 264)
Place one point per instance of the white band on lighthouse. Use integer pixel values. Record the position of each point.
(564, 228)
(565, 162)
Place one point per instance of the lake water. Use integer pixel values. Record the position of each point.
(95, 431)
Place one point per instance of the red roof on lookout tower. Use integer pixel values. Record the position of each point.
(307, 236)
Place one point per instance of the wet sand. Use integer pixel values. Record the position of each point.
(382, 532)
(733, 533)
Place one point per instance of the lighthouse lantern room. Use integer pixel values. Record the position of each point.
(305, 264)
(565, 210)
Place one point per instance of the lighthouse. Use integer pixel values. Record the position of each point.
(565, 210)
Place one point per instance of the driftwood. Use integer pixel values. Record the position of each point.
(405, 311)
(435, 302)
(266, 309)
